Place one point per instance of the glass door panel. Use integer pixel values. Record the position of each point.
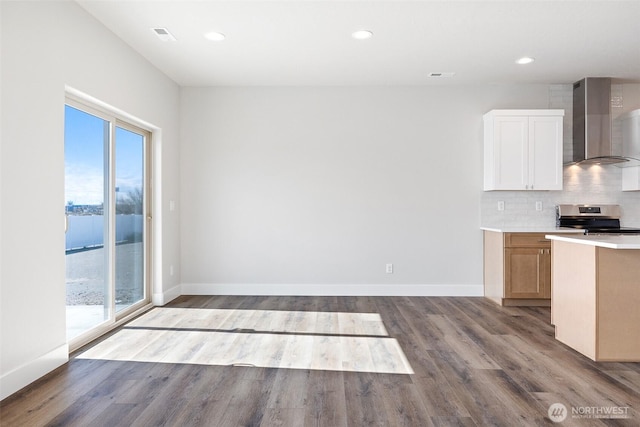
(106, 179)
(130, 218)
(86, 142)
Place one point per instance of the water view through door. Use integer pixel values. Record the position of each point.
(106, 219)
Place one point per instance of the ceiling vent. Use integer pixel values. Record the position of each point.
(441, 74)
(163, 34)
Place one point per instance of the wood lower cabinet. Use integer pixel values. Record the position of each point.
(527, 273)
(517, 268)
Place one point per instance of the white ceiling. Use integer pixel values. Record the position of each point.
(309, 42)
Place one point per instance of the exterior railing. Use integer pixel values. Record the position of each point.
(86, 232)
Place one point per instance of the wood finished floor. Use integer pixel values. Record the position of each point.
(474, 364)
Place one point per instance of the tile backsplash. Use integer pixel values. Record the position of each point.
(590, 184)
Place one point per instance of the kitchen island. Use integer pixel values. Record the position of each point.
(595, 295)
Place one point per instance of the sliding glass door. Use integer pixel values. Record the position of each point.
(86, 140)
(107, 219)
(130, 218)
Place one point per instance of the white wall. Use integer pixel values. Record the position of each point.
(45, 46)
(313, 190)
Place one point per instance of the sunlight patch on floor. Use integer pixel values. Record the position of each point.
(262, 338)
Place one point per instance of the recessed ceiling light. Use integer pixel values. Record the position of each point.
(163, 34)
(215, 36)
(525, 60)
(362, 34)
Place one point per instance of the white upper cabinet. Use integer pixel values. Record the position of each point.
(523, 150)
(630, 125)
(631, 179)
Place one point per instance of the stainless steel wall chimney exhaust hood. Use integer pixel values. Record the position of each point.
(592, 122)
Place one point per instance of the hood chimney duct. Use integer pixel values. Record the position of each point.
(592, 121)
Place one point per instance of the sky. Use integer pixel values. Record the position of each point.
(84, 142)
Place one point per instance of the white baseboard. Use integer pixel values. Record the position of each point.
(332, 290)
(161, 298)
(27, 373)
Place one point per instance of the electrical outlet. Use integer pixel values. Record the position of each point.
(389, 269)
(538, 206)
(501, 205)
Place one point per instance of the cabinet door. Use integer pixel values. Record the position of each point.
(510, 136)
(545, 153)
(526, 271)
(631, 178)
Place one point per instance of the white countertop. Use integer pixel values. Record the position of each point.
(605, 241)
(531, 229)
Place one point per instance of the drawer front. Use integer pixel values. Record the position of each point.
(526, 240)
